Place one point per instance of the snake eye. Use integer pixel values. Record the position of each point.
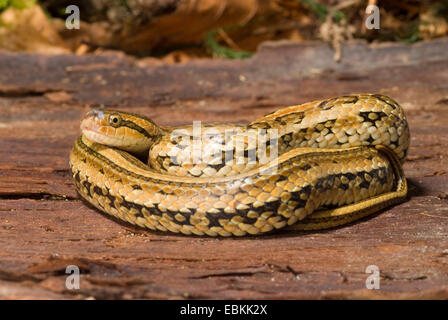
(114, 120)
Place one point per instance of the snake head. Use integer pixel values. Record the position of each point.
(125, 131)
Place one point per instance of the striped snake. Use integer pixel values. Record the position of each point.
(307, 167)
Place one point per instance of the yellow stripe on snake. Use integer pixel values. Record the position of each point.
(323, 164)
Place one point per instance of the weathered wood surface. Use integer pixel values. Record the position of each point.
(44, 226)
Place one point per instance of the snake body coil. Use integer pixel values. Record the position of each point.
(338, 160)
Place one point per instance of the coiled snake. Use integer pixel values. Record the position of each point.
(312, 166)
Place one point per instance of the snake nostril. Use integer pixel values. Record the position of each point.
(98, 114)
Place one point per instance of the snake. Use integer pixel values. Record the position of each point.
(321, 164)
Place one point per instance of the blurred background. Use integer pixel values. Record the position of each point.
(173, 31)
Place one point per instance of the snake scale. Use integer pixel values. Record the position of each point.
(321, 164)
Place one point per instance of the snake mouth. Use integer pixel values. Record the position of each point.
(95, 130)
(89, 128)
(94, 120)
(99, 137)
(92, 128)
(94, 133)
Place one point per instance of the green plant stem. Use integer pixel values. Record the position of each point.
(322, 11)
(221, 51)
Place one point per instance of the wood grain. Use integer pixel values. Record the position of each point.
(44, 226)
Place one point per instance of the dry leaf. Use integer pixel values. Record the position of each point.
(29, 30)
